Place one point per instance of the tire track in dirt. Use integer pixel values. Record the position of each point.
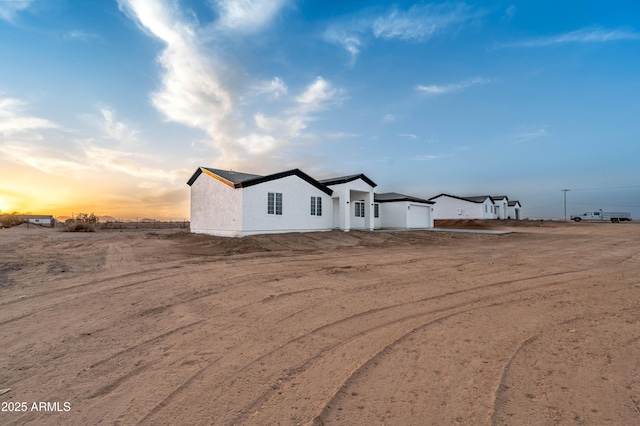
(247, 279)
(140, 345)
(499, 401)
(344, 342)
(220, 390)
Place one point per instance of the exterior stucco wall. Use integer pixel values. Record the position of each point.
(296, 208)
(502, 207)
(453, 208)
(512, 212)
(46, 222)
(489, 210)
(216, 208)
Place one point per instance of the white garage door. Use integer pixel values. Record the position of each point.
(419, 216)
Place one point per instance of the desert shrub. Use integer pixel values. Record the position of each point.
(79, 227)
(83, 222)
(9, 220)
(86, 218)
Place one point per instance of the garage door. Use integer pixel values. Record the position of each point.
(419, 216)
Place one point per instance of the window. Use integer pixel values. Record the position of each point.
(376, 210)
(485, 208)
(316, 206)
(274, 203)
(359, 205)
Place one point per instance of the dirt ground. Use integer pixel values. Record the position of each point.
(540, 326)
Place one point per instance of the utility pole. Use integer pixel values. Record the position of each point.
(565, 203)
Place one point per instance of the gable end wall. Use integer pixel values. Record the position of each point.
(216, 208)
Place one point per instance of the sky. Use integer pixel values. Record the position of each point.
(109, 106)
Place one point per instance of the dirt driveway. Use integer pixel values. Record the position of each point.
(539, 326)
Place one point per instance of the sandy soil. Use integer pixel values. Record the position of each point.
(539, 326)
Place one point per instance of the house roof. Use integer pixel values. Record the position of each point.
(233, 176)
(244, 180)
(479, 199)
(350, 178)
(34, 216)
(513, 203)
(500, 197)
(388, 197)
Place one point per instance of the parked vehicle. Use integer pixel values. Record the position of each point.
(614, 217)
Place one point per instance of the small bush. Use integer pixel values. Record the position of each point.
(79, 227)
(9, 220)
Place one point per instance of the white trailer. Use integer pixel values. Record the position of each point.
(614, 217)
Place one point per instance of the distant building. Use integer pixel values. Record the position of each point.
(476, 207)
(514, 210)
(43, 220)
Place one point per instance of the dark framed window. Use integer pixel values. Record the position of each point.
(359, 207)
(316, 206)
(274, 203)
(376, 210)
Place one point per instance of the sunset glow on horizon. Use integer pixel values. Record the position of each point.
(110, 106)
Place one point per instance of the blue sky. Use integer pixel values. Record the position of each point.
(110, 106)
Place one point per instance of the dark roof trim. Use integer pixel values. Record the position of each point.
(468, 199)
(351, 178)
(390, 197)
(514, 202)
(260, 179)
(294, 172)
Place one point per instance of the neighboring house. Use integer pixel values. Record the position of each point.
(501, 206)
(454, 207)
(229, 203)
(44, 220)
(399, 211)
(514, 210)
(476, 207)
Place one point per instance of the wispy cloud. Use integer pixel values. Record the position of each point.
(435, 89)
(585, 35)
(115, 129)
(431, 157)
(528, 134)
(80, 35)
(388, 118)
(418, 23)
(509, 13)
(202, 91)
(290, 123)
(40, 157)
(316, 95)
(9, 9)
(408, 135)
(13, 120)
(342, 135)
(133, 164)
(247, 15)
(275, 88)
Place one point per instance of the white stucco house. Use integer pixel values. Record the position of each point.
(476, 207)
(235, 204)
(38, 219)
(514, 210)
(453, 207)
